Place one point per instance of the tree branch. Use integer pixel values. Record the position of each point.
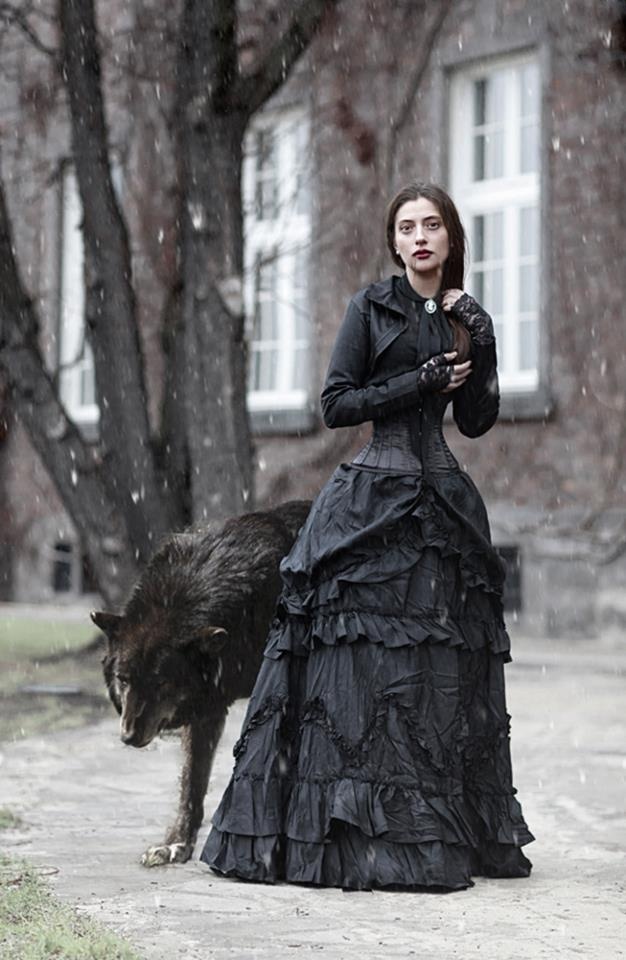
(403, 112)
(223, 49)
(12, 16)
(70, 462)
(253, 90)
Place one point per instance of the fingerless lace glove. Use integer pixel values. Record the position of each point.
(434, 375)
(476, 320)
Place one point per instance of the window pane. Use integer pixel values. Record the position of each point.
(480, 102)
(277, 175)
(495, 228)
(479, 158)
(529, 148)
(265, 333)
(495, 97)
(496, 181)
(529, 288)
(489, 112)
(488, 236)
(528, 345)
(478, 286)
(266, 192)
(264, 367)
(266, 275)
(489, 99)
(300, 299)
(301, 368)
(266, 200)
(267, 328)
(493, 300)
(303, 168)
(529, 82)
(494, 155)
(489, 155)
(529, 231)
(77, 377)
(479, 238)
(498, 329)
(265, 325)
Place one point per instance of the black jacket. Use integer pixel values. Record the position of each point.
(373, 368)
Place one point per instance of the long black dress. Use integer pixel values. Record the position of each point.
(375, 749)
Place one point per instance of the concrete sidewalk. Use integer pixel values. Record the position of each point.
(90, 807)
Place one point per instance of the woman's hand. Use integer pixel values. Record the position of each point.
(460, 373)
(440, 375)
(449, 298)
(476, 320)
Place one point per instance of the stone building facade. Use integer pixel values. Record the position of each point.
(518, 107)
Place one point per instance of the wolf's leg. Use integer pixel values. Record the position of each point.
(200, 741)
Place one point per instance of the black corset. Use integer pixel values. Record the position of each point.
(410, 442)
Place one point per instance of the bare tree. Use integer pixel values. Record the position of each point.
(124, 491)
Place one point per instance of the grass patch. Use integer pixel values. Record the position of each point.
(36, 652)
(8, 819)
(25, 638)
(34, 925)
(31, 716)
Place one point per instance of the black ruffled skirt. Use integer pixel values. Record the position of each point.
(375, 750)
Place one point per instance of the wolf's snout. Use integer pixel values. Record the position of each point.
(128, 737)
(135, 737)
(129, 734)
(132, 730)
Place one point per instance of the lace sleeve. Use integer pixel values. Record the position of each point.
(475, 319)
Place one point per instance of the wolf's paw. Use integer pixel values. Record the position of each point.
(166, 853)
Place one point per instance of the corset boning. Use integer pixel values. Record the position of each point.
(409, 442)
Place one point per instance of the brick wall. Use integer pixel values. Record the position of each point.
(536, 475)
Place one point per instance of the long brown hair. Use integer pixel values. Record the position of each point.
(454, 267)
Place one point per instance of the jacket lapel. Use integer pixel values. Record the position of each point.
(387, 324)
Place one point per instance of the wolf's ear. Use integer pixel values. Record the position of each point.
(210, 640)
(107, 622)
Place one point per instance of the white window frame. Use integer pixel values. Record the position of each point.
(283, 237)
(75, 356)
(507, 194)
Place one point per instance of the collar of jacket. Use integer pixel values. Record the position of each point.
(387, 325)
(383, 293)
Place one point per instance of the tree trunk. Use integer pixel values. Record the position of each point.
(217, 423)
(210, 142)
(129, 468)
(123, 493)
(73, 465)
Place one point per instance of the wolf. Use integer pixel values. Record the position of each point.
(189, 642)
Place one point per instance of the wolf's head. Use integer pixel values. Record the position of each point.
(154, 679)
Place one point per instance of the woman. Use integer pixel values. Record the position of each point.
(375, 749)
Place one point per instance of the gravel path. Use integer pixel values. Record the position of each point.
(90, 806)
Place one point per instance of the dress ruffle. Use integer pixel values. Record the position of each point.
(432, 564)
(447, 529)
(375, 751)
(399, 812)
(354, 834)
(299, 634)
(353, 861)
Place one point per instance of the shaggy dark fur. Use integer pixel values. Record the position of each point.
(190, 642)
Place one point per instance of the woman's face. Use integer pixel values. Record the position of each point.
(421, 238)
